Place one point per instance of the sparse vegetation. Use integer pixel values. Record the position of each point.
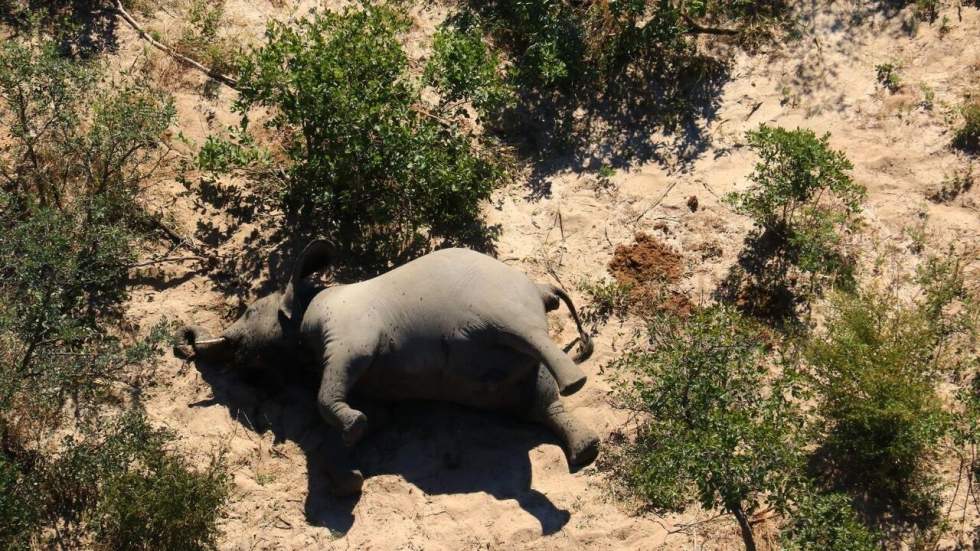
(953, 185)
(888, 76)
(201, 38)
(967, 136)
(606, 299)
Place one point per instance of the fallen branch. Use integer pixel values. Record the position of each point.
(169, 259)
(224, 79)
(697, 28)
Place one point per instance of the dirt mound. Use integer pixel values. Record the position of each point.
(647, 260)
(648, 266)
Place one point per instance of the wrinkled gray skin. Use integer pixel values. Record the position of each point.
(454, 325)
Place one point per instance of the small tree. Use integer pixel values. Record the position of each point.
(875, 371)
(371, 166)
(717, 426)
(802, 199)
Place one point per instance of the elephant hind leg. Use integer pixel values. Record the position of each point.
(536, 343)
(581, 444)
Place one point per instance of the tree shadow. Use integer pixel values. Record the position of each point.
(84, 28)
(645, 117)
(439, 448)
(759, 283)
(908, 505)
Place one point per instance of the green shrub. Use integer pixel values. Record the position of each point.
(606, 299)
(802, 199)
(582, 49)
(78, 149)
(967, 137)
(371, 167)
(888, 76)
(463, 67)
(19, 508)
(718, 428)
(827, 523)
(875, 371)
(122, 487)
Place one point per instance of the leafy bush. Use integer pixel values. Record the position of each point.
(967, 137)
(802, 199)
(888, 76)
(123, 488)
(827, 523)
(875, 371)
(583, 48)
(463, 67)
(79, 148)
(718, 428)
(371, 167)
(19, 508)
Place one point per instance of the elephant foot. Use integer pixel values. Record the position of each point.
(355, 425)
(582, 452)
(572, 385)
(345, 484)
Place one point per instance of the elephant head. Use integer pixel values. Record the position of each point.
(267, 331)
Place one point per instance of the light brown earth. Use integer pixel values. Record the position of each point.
(512, 489)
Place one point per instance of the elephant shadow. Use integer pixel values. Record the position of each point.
(440, 448)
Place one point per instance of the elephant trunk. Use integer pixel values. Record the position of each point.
(193, 341)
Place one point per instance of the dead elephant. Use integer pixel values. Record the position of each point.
(454, 325)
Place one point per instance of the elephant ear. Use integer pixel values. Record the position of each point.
(316, 256)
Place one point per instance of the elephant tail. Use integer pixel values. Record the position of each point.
(551, 294)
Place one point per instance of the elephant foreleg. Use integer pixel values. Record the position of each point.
(340, 373)
(581, 444)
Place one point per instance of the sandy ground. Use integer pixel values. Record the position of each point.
(512, 489)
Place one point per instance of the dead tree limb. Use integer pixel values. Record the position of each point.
(224, 79)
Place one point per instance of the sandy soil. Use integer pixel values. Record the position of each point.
(512, 489)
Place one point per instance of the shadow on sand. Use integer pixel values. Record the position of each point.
(439, 448)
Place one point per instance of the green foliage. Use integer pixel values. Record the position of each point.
(371, 168)
(967, 137)
(953, 185)
(463, 67)
(201, 39)
(579, 49)
(875, 371)
(78, 149)
(76, 145)
(718, 427)
(606, 299)
(802, 199)
(115, 486)
(827, 523)
(123, 487)
(888, 76)
(19, 508)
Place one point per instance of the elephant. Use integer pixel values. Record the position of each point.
(454, 325)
